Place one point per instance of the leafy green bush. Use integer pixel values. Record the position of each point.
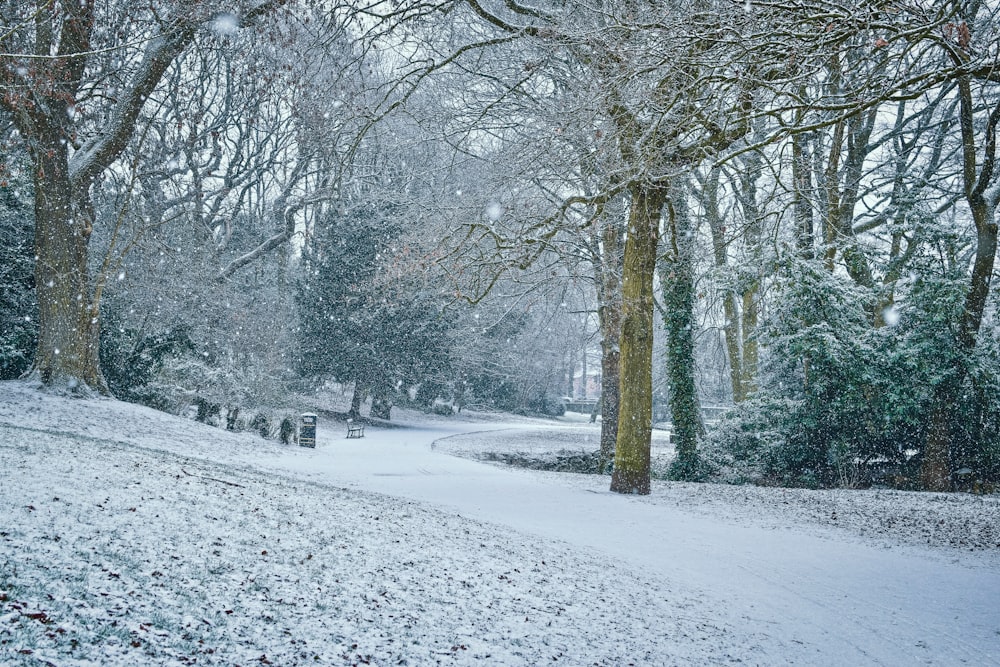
(846, 403)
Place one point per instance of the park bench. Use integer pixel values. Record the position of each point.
(355, 430)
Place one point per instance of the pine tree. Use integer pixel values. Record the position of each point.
(361, 319)
(18, 303)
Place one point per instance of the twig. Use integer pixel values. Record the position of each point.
(214, 479)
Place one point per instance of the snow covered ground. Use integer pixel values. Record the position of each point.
(129, 536)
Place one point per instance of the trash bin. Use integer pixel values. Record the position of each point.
(307, 430)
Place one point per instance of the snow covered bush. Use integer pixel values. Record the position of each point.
(745, 445)
(261, 424)
(132, 359)
(846, 403)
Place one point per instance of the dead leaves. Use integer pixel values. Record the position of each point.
(39, 616)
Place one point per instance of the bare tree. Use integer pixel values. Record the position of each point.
(76, 123)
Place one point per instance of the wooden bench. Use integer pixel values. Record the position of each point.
(355, 430)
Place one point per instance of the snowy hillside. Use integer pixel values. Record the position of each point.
(128, 536)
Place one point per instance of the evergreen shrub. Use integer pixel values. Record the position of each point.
(846, 403)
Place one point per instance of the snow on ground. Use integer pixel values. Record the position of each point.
(936, 519)
(128, 536)
(113, 554)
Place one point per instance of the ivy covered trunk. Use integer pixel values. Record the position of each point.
(750, 285)
(635, 417)
(677, 283)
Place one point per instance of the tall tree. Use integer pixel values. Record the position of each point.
(54, 81)
(963, 38)
(660, 104)
(635, 419)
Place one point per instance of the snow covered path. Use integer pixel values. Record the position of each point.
(806, 597)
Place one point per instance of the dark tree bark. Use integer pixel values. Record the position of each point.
(805, 237)
(357, 398)
(67, 353)
(381, 404)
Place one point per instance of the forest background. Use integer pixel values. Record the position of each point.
(787, 208)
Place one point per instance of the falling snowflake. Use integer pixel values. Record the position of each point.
(891, 316)
(225, 24)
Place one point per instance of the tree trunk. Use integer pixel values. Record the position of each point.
(750, 308)
(935, 467)
(751, 353)
(570, 362)
(357, 398)
(731, 326)
(635, 419)
(677, 283)
(610, 397)
(69, 334)
(381, 404)
(609, 313)
(805, 239)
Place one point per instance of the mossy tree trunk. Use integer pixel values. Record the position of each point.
(635, 417)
